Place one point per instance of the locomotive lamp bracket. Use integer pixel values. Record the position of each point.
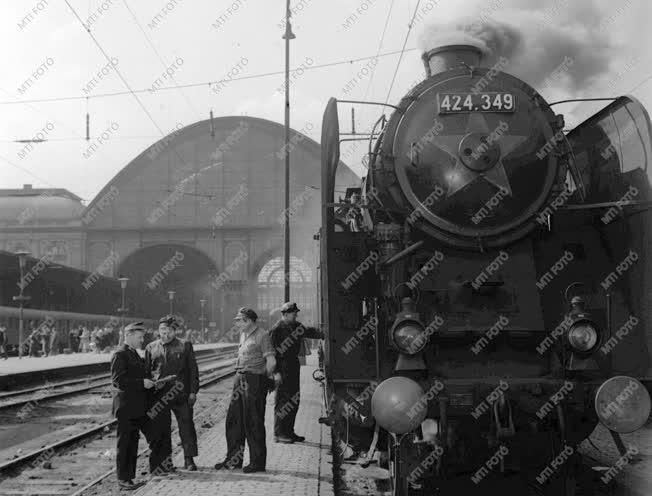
(579, 316)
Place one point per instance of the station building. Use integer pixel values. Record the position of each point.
(199, 212)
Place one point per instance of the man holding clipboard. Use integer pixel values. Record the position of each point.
(173, 368)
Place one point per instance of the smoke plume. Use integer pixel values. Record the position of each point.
(537, 44)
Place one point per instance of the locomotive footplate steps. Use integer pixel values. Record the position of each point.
(296, 469)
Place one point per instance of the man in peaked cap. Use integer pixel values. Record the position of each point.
(286, 336)
(245, 419)
(174, 358)
(131, 384)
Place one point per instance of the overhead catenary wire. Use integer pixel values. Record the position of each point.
(400, 58)
(117, 71)
(165, 67)
(380, 46)
(192, 85)
(24, 169)
(124, 81)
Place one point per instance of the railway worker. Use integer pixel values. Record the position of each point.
(354, 214)
(245, 419)
(131, 385)
(287, 337)
(171, 356)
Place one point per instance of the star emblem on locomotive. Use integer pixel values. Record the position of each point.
(479, 153)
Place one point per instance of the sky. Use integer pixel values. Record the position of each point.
(55, 70)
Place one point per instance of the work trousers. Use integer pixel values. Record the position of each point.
(129, 430)
(184, 415)
(245, 420)
(287, 401)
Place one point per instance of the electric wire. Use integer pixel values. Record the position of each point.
(403, 50)
(380, 46)
(203, 83)
(165, 67)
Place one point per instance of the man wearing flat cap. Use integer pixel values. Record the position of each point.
(131, 384)
(245, 419)
(287, 335)
(172, 364)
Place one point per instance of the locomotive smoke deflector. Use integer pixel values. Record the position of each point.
(447, 57)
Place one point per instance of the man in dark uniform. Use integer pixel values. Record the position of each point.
(245, 418)
(174, 358)
(286, 337)
(130, 402)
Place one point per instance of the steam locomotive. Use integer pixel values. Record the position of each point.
(484, 290)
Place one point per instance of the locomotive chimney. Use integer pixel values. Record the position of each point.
(447, 57)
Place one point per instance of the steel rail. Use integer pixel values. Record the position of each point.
(18, 403)
(17, 462)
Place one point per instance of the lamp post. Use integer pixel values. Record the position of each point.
(21, 299)
(171, 297)
(123, 308)
(202, 302)
(289, 35)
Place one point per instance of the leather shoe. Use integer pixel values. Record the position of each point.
(297, 438)
(189, 464)
(225, 465)
(283, 439)
(127, 485)
(252, 468)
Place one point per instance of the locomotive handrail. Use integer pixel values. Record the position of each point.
(369, 207)
(368, 103)
(584, 100)
(631, 203)
(360, 134)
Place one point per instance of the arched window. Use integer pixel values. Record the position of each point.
(271, 284)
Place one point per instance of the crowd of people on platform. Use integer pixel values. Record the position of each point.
(47, 339)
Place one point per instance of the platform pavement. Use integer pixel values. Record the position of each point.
(298, 469)
(15, 365)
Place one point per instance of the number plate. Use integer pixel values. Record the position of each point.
(453, 103)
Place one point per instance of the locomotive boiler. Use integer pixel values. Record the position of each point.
(484, 289)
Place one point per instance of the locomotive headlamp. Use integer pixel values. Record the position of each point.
(409, 337)
(583, 337)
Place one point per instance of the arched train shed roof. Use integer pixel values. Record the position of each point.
(172, 146)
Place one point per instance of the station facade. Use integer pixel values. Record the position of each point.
(199, 213)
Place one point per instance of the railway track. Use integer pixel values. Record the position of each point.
(81, 461)
(42, 393)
